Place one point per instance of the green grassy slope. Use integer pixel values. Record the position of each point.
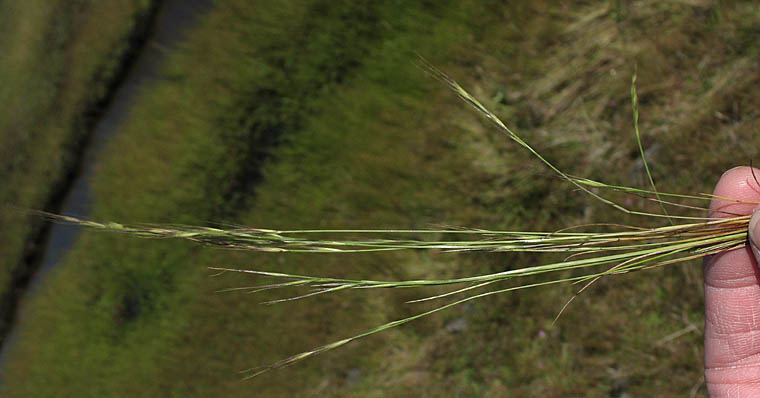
(58, 60)
(192, 167)
(315, 116)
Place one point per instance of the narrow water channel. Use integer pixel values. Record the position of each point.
(173, 20)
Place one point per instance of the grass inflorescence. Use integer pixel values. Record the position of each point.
(609, 249)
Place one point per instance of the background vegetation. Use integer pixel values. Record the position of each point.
(313, 113)
(59, 62)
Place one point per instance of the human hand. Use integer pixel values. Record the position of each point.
(732, 296)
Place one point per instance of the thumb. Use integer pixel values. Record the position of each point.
(732, 295)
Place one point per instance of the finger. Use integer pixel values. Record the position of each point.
(732, 299)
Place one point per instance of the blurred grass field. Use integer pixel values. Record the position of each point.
(59, 62)
(314, 114)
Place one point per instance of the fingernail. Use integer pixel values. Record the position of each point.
(754, 234)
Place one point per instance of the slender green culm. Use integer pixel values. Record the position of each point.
(635, 105)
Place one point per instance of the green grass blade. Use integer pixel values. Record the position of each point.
(635, 105)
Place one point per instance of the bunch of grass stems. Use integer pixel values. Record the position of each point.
(624, 250)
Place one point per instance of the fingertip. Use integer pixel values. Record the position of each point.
(737, 193)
